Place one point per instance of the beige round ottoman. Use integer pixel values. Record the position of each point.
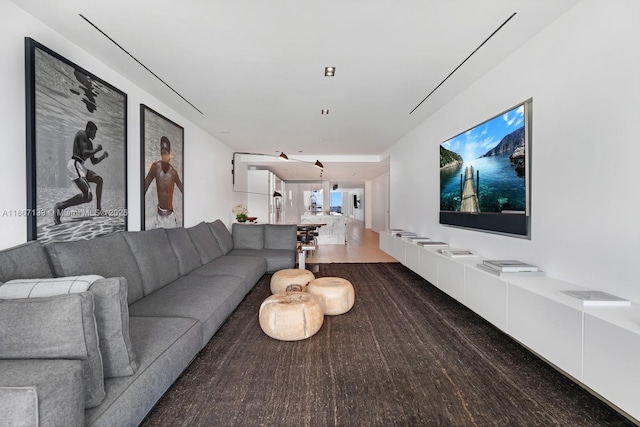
(290, 276)
(336, 295)
(291, 316)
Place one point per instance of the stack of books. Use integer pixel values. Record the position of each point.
(509, 267)
(405, 234)
(598, 298)
(431, 243)
(417, 239)
(457, 253)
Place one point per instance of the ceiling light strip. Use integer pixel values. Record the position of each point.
(466, 59)
(143, 66)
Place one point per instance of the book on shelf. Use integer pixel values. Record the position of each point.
(499, 273)
(431, 243)
(457, 253)
(419, 239)
(509, 265)
(405, 234)
(598, 298)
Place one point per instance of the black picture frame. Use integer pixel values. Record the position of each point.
(62, 98)
(162, 208)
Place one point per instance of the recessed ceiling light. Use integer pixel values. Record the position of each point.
(325, 111)
(329, 71)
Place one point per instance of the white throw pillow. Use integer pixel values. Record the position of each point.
(34, 288)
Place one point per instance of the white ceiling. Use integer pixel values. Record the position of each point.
(252, 70)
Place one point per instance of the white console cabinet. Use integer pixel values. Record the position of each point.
(450, 277)
(487, 297)
(610, 359)
(596, 346)
(544, 324)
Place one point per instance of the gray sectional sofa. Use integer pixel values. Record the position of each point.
(135, 310)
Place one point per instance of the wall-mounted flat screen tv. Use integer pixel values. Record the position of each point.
(485, 175)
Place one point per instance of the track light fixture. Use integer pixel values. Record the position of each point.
(277, 194)
(281, 156)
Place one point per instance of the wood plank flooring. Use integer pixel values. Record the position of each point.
(362, 246)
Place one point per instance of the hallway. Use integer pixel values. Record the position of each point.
(362, 246)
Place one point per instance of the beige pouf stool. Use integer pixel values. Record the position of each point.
(291, 316)
(336, 294)
(290, 276)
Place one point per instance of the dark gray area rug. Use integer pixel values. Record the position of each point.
(405, 355)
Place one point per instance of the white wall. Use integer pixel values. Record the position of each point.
(358, 213)
(207, 179)
(259, 197)
(379, 203)
(583, 73)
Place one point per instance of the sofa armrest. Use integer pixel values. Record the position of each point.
(56, 327)
(41, 392)
(19, 406)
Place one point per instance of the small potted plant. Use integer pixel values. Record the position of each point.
(240, 211)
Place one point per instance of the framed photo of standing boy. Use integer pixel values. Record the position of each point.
(76, 150)
(162, 171)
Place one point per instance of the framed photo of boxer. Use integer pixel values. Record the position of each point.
(162, 171)
(76, 150)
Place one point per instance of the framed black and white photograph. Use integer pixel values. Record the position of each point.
(76, 150)
(162, 171)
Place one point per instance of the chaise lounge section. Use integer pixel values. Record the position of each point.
(154, 300)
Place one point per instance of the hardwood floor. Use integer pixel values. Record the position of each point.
(362, 246)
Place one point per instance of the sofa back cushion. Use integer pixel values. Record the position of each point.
(186, 252)
(222, 235)
(24, 261)
(154, 255)
(248, 236)
(107, 256)
(205, 242)
(281, 236)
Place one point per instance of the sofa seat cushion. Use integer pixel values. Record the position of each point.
(56, 384)
(208, 299)
(165, 347)
(108, 256)
(57, 327)
(277, 259)
(249, 268)
(24, 261)
(110, 310)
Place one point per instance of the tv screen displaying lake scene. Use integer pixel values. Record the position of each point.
(484, 174)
